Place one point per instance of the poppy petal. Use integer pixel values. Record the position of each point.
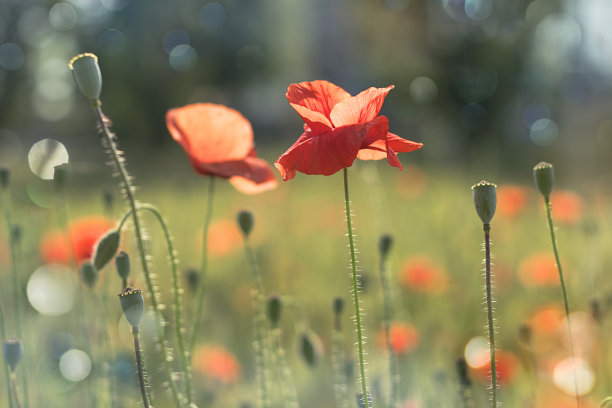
(260, 177)
(361, 108)
(314, 102)
(401, 145)
(324, 153)
(210, 133)
(374, 146)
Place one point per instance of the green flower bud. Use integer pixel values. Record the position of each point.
(245, 222)
(462, 371)
(132, 304)
(384, 245)
(274, 309)
(122, 263)
(12, 350)
(4, 177)
(87, 74)
(89, 274)
(544, 177)
(485, 200)
(106, 248)
(338, 305)
(310, 348)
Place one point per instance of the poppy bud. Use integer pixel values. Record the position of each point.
(462, 371)
(122, 263)
(132, 304)
(524, 334)
(361, 402)
(245, 222)
(544, 177)
(60, 174)
(16, 233)
(87, 74)
(274, 309)
(89, 274)
(4, 177)
(485, 200)
(310, 349)
(384, 245)
(12, 350)
(338, 305)
(193, 279)
(106, 248)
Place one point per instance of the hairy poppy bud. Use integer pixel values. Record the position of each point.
(89, 274)
(462, 371)
(245, 222)
(122, 263)
(132, 304)
(106, 248)
(338, 305)
(274, 309)
(4, 177)
(544, 177)
(12, 350)
(485, 200)
(87, 74)
(310, 348)
(384, 245)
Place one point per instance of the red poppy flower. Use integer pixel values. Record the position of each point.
(422, 275)
(511, 200)
(403, 338)
(54, 248)
(219, 141)
(566, 206)
(506, 365)
(539, 269)
(339, 128)
(84, 233)
(216, 363)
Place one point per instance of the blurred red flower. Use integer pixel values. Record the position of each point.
(566, 206)
(539, 269)
(506, 365)
(216, 363)
(511, 200)
(83, 234)
(219, 141)
(338, 129)
(54, 248)
(224, 237)
(403, 338)
(421, 274)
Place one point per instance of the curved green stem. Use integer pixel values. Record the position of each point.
(349, 225)
(141, 380)
(606, 401)
(128, 191)
(491, 321)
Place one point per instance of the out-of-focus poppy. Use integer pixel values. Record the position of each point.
(224, 237)
(539, 269)
(55, 248)
(566, 206)
(511, 200)
(338, 129)
(421, 274)
(403, 338)
(219, 141)
(506, 366)
(84, 233)
(217, 363)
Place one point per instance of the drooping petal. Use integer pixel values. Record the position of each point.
(361, 108)
(324, 153)
(210, 133)
(260, 177)
(314, 102)
(374, 146)
(401, 145)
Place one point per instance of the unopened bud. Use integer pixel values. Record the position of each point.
(310, 348)
(89, 274)
(245, 222)
(274, 309)
(16, 233)
(462, 372)
(106, 248)
(87, 75)
(384, 245)
(193, 279)
(338, 305)
(544, 177)
(12, 350)
(525, 334)
(485, 200)
(122, 263)
(132, 304)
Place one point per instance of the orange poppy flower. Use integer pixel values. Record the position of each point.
(224, 237)
(506, 366)
(338, 129)
(539, 269)
(54, 248)
(216, 363)
(84, 233)
(422, 275)
(403, 338)
(566, 206)
(511, 200)
(219, 141)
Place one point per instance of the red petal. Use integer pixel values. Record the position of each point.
(361, 108)
(324, 153)
(210, 133)
(260, 177)
(314, 101)
(400, 145)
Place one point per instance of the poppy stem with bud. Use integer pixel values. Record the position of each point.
(349, 225)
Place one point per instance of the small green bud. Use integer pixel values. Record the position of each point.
(193, 279)
(310, 348)
(462, 371)
(12, 350)
(122, 263)
(89, 274)
(245, 222)
(5, 175)
(87, 74)
(338, 305)
(132, 304)
(544, 177)
(106, 248)
(60, 175)
(384, 245)
(274, 309)
(16, 233)
(485, 200)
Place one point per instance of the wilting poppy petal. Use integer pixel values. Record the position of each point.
(210, 133)
(360, 108)
(259, 178)
(314, 102)
(324, 153)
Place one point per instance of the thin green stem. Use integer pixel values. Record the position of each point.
(388, 316)
(14, 389)
(204, 266)
(110, 355)
(141, 379)
(288, 386)
(128, 191)
(349, 225)
(605, 402)
(553, 238)
(491, 321)
(7, 373)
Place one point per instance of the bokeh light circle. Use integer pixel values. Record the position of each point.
(115, 4)
(478, 9)
(476, 352)
(183, 57)
(45, 155)
(574, 376)
(63, 16)
(543, 132)
(212, 16)
(51, 290)
(75, 365)
(173, 38)
(534, 112)
(11, 56)
(423, 90)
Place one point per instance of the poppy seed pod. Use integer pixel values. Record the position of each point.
(12, 350)
(132, 304)
(274, 309)
(106, 248)
(544, 177)
(245, 222)
(310, 349)
(338, 305)
(462, 371)
(384, 245)
(87, 74)
(122, 263)
(89, 274)
(4, 177)
(485, 200)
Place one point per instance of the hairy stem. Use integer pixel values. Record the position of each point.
(141, 379)
(491, 321)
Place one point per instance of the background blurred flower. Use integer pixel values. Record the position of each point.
(224, 237)
(511, 200)
(403, 338)
(54, 248)
(566, 206)
(421, 274)
(539, 269)
(84, 233)
(507, 365)
(217, 363)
